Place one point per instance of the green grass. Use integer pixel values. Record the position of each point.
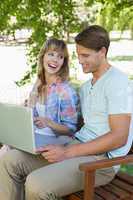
(121, 58)
(131, 77)
(127, 168)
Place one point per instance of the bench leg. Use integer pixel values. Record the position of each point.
(89, 185)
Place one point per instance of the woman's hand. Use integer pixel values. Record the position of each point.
(40, 122)
(25, 102)
(31, 101)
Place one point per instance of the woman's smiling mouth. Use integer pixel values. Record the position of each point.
(52, 66)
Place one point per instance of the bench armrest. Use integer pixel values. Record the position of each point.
(92, 166)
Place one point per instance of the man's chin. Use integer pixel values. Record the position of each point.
(86, 71)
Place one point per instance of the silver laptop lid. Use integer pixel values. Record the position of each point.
(16, 127)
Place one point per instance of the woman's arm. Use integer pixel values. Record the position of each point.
(42, 122)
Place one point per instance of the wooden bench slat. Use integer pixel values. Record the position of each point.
(129, 198)
(120, 188)
(117, 191)
(74, 197)
(125, 177)
(79, 196)
(97, 197)
(105, 194)
(123, 185)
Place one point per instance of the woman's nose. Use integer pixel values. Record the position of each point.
(55, 58)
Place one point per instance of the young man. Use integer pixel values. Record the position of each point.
(103, 135)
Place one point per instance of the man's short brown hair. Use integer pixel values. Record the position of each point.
(93, 37)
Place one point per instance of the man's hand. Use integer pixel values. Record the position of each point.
(53, 153)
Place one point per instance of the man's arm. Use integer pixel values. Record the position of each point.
(117, 137)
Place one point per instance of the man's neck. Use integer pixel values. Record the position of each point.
(98, 74)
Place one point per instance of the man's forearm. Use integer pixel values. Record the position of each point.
(99, 145)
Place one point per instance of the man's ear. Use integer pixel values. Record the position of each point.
(103, 51)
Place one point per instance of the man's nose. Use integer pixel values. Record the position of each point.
(81, 61)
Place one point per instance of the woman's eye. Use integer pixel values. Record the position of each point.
(50, 54)
(61, 57)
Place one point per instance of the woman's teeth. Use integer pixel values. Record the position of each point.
(52, 66)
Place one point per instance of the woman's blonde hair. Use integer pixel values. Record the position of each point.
(55, 45)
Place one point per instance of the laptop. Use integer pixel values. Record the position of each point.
(17, 129)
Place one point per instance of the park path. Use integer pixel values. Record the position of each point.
(13, 66)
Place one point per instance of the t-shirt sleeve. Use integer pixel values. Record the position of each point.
(117, 94)
(69, 108)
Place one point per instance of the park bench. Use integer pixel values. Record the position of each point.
(120, 188)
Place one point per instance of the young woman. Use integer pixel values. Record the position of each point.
(55, 103)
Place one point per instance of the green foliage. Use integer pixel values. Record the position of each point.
(114, 14)
(44, 18)
(131, 77)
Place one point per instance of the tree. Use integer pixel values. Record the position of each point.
(59, 18)
(114, 14)
(44, 18)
